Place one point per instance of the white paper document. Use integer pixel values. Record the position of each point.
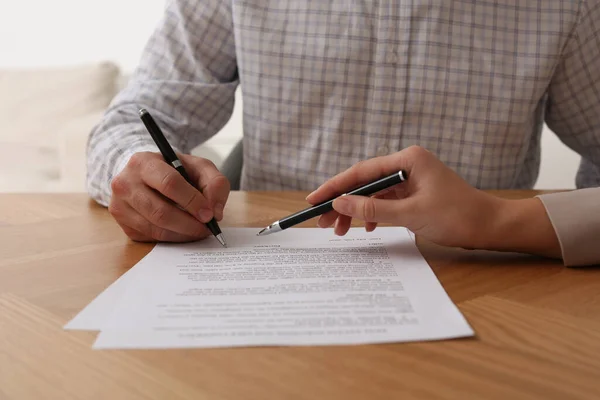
(94, 315)
(301, 286)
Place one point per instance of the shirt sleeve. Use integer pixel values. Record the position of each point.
(573, 114)
(575, 217)
(186, 78)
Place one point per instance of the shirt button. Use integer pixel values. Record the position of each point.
(383, 151)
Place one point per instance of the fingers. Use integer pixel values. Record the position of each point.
(168, 181)
(360, 174)
(213, 184)
(331, 217)
(151, 201)
(391, 194)
(376, 210)
(327, 219)
(217, 192)
(140, 229)
(368, 171)
(159, 212)
(342, 225)
(370, 226)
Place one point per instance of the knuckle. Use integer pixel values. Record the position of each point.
(141, 202)
(193, 202)
(353, 173)
(145, 228)
(158, 233)
(359, 168)
(417, 151)
(136, 237)
(369, 210)
(168, 185)
(119, 185)
(221, 180)
(132, 234)
(206, 163)
(152, 165)
(159, 214)
(149, 167)
(114, 210)
(137, 160)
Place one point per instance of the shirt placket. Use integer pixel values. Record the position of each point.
(390, 84)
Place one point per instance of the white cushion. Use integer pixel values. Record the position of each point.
(35, 105)
(72, 152)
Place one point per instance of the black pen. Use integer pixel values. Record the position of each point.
(171, 158)
(322, 208)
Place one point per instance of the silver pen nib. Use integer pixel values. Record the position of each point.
(221, 239)
(274, 227)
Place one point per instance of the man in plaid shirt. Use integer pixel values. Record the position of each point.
(327, 84)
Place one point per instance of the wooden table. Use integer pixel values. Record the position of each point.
(537, 323)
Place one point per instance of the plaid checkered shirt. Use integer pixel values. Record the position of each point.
(328, 83)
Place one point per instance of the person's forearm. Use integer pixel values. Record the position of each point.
(520, 226)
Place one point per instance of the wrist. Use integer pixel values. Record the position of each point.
(521, 226)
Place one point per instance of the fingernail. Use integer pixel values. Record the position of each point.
(311, 193)
(205, 215)
(342, 205)
(219, 211)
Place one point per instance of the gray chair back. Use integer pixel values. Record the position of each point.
(232, 165)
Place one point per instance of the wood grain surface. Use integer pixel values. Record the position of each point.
(537, 323)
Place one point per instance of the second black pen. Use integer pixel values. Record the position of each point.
(319, 209)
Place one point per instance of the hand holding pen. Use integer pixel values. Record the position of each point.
(326, 206)
(171, 158)
(153, 201)
(436, 204)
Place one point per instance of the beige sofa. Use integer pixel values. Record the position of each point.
(47, 115)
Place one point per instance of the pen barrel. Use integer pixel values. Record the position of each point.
(306, 214)
(171, 158)
(213, 227)
(161, 142)
(185, 175)
(322, 208)
(379, 185)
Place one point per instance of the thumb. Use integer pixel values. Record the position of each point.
(370, 209)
